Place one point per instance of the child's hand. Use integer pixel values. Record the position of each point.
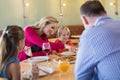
(70, 48)
(54, 52)
(67, 47)
(35, 72)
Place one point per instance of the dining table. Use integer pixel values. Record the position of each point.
(55, 75)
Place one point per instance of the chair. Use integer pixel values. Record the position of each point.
(3, 79)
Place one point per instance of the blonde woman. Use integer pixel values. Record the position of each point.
(11, 42)
(37, 34)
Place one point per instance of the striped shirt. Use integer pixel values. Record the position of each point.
(99, 51)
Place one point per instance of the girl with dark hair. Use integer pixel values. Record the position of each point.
(11, 42)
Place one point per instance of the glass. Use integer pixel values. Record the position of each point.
(46, 48)
(64, 66)
(27, 67)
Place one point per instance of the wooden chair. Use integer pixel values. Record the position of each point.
(3, 79)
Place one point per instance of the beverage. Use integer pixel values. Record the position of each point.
(46, 50)
(64, 66)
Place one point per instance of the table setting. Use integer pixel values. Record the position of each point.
(51, 67)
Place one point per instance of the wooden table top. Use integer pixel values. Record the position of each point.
(56, 75)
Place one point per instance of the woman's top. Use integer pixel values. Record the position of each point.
(68, 43)
(4, 71)
(33, 40)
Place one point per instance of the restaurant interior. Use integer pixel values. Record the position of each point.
(27, 12)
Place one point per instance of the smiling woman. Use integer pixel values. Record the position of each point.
(37, 34)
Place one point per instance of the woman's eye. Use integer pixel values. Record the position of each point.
(53, 27)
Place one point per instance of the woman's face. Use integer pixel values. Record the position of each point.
(50, 29)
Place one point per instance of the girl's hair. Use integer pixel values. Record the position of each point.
(39, 26)
(9, 42)
(61, 29)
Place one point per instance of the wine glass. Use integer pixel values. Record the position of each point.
(46, 48)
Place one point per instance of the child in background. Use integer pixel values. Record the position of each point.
(63, 37)
(11, 42)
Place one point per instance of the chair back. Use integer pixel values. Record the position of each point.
(3, 79)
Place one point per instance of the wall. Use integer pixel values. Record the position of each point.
(111, 9)
(11, 11)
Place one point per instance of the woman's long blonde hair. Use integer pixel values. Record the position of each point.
(39, 26)
(9, 42)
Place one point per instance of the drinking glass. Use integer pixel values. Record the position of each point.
(64, 66)
(46, 48)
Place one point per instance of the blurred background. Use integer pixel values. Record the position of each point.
(26, 12)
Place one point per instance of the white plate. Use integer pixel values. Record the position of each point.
(27, 74)
(38, 58)
(67, 53)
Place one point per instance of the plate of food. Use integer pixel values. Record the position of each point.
(67, 53)
(38, 58)
(43, 71)
(70, 59)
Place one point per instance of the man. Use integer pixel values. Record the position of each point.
(99, 48)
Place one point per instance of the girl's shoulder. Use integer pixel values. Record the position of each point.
(13, 59)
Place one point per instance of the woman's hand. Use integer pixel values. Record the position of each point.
(28, 51)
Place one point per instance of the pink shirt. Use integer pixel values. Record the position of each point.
(32, 38)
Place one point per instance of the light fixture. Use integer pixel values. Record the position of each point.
(61, 14)
(112, 3)
(115, 4)
(64, 4)
(26, 4)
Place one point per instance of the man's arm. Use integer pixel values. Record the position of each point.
(84, 66)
